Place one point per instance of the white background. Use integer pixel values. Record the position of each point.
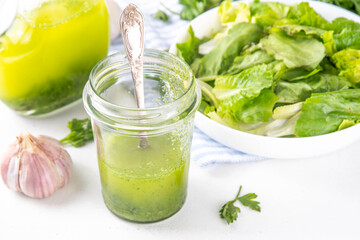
(316, 198)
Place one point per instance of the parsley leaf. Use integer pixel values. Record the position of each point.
(193, 8)
(247, 201)
(229, 211)
(161, 15)
(80, 133)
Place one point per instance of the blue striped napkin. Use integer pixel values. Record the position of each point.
(158, 35)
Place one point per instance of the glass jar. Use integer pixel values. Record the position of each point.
(143, 184)
(47, 53)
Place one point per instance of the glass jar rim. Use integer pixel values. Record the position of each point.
(106, 111)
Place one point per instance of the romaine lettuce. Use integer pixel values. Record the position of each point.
(222, 55)
(237, 13)
(298, 91)
(324, 112)
(250, 60)
(189, 50)
(348, 61)
(266, 14)
(303, 14)
(294, 51)
(247, 96)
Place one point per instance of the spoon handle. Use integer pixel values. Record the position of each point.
(132, 30)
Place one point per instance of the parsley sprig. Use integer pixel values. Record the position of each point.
(80, 133)
(161, 15)
(230, 212)
(193, 8)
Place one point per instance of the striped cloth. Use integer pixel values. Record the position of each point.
(158, 35)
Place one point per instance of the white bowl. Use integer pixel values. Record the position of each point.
(271, 147)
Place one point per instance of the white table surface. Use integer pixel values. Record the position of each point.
(315, 198)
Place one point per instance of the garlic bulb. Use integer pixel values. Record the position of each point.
(36, 166)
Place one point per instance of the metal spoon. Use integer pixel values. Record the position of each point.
(132, 30)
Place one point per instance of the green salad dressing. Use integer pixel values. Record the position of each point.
(144, 184)
(48, 52)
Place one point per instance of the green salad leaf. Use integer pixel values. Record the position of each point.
(341, 24)
(222, 55)
(243, 62)
(324, 112)
(329, 43)
(348, 61)
(189, 50)
(347, 39)
(234, 13)
(248, 83)
(301, 31)
(247, 96)
(303, 14)
(266, 14)
(347, 123)
(343, 34)
(193, 8)
(294, 51)
(294, 74)
(298, 91)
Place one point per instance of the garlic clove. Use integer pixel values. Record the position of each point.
(10, 166)
(55, 150)
(36, 166)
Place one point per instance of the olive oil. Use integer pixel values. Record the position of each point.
(47, 54)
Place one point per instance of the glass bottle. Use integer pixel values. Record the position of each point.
(47, 53)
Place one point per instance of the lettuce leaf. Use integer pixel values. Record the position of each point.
(298, 91)
(273, 127)
(193, 8)
(266, 14)
(294, 51)
(324, 112)
(294, 74)
(189, 50)
(303, 14)
(301, 31)
(255, 110)
(229, 12)
(348, 61)
(248, 83)
(347, 39)
(347, 123)
(222, 55)
(249, 60)
(343, 34)
(247, 96)
(339, 25)
(329, 43)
